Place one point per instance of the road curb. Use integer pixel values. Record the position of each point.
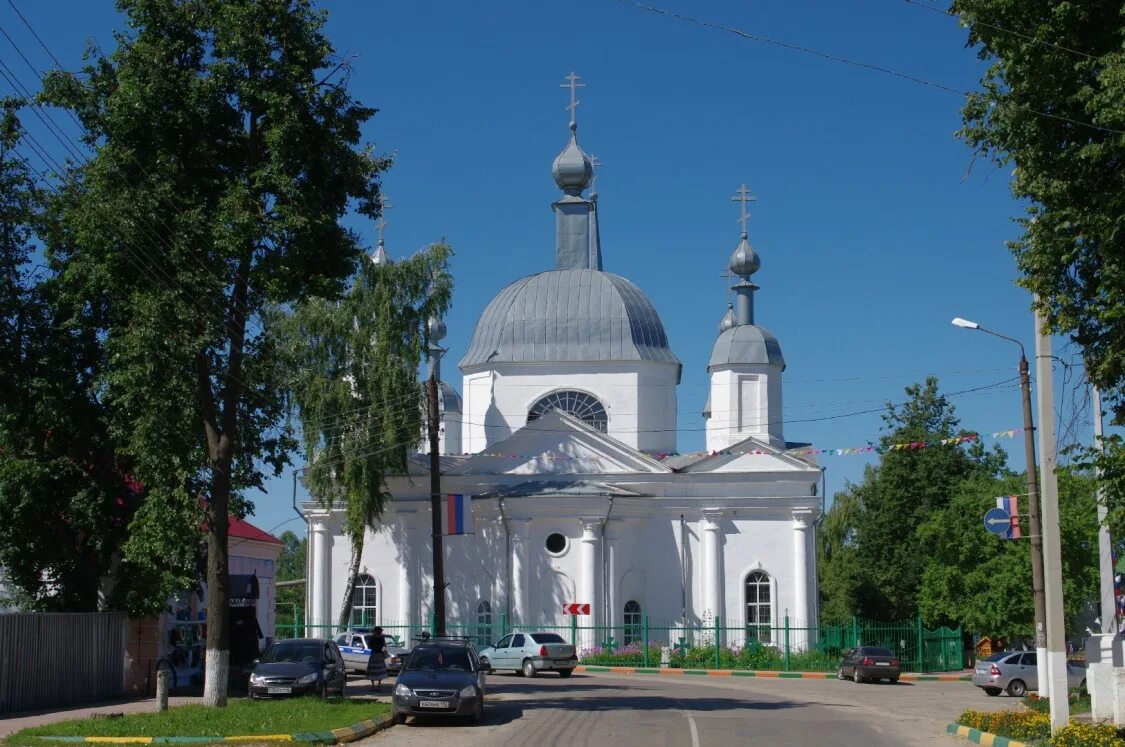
(761, 673)
(335, 736)
(982, 737)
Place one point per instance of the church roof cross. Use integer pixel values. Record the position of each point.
(743, 195)
(594, 164)
(573, 84)
(384, 205)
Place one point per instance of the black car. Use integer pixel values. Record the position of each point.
(870, 663)
(442, 677)
(299, 666)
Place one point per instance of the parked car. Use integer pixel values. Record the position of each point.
(530, 653)
(355, 645)
(299, 666)
(869, 663)
(1017, 672)
(442, 677)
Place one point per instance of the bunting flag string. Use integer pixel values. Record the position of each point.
(803, 451)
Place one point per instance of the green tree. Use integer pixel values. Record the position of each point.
(227, 153)
(1052, 109)
(874, 565)
(291, 567)
(982, 582)
(357, 391)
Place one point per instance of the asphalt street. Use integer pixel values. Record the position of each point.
(652, 710)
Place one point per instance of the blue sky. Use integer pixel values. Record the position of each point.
(874, 223)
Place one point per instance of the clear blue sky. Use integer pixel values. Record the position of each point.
(874, 224)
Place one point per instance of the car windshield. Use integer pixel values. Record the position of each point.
(440, 660)
(875, 651)
(286, 651)
(547, 638)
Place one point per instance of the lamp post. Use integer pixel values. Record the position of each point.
(1037, 585)
(436, 329)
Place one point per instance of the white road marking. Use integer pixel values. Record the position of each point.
(691, 723)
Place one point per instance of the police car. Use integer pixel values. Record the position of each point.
(355, 645)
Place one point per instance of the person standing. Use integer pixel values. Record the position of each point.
(377, 662)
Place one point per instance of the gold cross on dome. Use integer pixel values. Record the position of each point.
(573, 84)
(743, 195)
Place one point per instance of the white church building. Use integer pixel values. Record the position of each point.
(565, 441)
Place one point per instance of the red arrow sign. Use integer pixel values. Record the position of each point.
(575, 608)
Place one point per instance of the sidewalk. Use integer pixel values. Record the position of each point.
(15, 722)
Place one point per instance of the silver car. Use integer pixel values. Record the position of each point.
(530, 653)
(1016, 672)
(355, 646)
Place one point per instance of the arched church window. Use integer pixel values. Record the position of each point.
(632, 632)
(759, 607)
(581, 405)
(363, 602)
(484, 624)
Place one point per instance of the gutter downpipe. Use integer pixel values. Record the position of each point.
(507, 564)
(605, 565)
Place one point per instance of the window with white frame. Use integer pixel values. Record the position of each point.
(364, 602)
(581, 405)
(484, 623)
(759, 606)
(632, 632)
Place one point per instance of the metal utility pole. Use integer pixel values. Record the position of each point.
(1052, 543)
(1105, 542)
(433, 424)
(1037, 587)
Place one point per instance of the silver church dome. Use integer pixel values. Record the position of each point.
(571, 315)
(748, 344)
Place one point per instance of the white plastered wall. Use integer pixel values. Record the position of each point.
(745, 401)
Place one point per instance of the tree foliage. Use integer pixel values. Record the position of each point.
(871, 564)
(291, 567)
(227, 153)
(984, 583)
(357, 391)
(1052, 106)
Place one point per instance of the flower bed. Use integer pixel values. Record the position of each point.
(1024, 726)
(754, 656)
(1077, 734)
(632, 655)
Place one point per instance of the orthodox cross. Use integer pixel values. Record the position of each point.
(384, 206)
(594, 163)
(573, 84)
(743, 195)
(682, 647)
(609, 644)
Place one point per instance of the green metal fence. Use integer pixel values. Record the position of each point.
(708, 644)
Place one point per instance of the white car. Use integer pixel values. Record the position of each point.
(530, 653)
(355, 645)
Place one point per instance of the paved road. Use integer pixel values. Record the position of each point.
(655, 710)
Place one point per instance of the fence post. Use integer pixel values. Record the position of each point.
(718, 663)
(855, 632)
(574, 631)
(921, 646)
(644, 631)
(786, 640)
(503, 624)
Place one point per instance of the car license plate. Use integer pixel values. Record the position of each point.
(564, 663)
(882, 663)
(279, 690)
(433, 703)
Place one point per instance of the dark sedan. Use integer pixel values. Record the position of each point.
(870, 663)
(300, 666)
(441, 678)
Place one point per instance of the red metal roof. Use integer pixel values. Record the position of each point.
(245, 530)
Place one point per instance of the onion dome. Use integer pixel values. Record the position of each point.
(744, 262)
(380, 256)
(728, 319)
(436, 329)
(572, 168)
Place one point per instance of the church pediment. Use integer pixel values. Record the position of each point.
(750, 455)
(558, 444)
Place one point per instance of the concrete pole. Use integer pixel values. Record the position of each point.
(1052, 544)
(162, 689)
(1105, 544)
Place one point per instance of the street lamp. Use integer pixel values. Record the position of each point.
(1037, 583)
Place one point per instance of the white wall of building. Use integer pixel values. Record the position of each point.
(745, 401)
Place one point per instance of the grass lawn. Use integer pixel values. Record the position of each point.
(241, 717)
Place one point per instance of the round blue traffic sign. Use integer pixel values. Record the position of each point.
(997, 521)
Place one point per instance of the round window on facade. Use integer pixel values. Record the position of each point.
(556, 543)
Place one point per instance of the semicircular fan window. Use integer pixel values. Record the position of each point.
(581, 405)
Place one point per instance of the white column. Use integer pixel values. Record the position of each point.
(613, 615)
(712, 567)
(588, 580)
(520, 536)
(408, 551)
(322, 586)
(800, 618)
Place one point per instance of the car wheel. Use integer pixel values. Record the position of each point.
(478, 713)
(529, 669)
(1017, 689)
(565, 672)
(893, 680)
(840, 673)
(485, 664)
(400, 718)
(855, 675)
(993, 691)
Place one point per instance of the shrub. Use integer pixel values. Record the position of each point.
(1020, 725)
(1077, 734)
(622, 656)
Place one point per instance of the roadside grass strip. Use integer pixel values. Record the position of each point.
(299, 720)
(763, 673)
(983, 737)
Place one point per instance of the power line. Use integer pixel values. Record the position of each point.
(848, 61)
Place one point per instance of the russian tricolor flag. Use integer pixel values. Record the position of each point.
(457, 516)
(1011, 504)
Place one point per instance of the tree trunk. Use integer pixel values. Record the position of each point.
(344, 621)
(218, 590)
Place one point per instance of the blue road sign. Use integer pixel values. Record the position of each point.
(998, 521)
